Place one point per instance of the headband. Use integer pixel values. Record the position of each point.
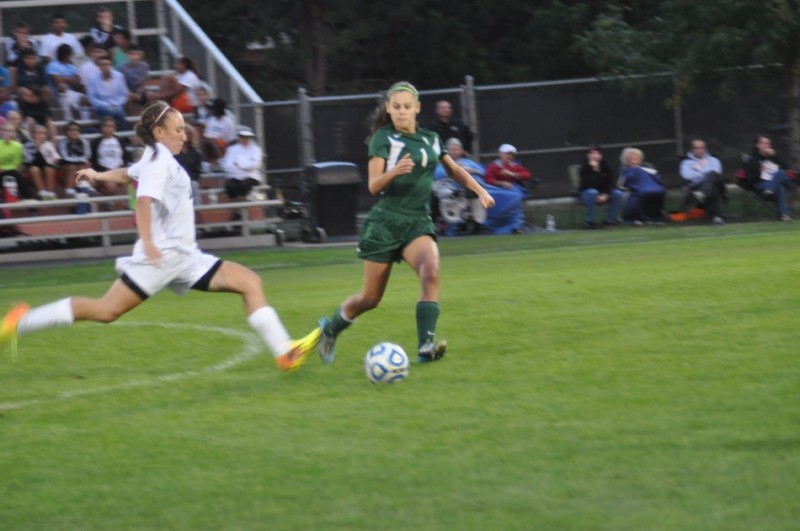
(405, 88)
(160, 115)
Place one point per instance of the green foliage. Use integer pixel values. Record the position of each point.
(620, 379)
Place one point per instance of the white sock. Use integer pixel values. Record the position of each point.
(268, 326)
(51, 315)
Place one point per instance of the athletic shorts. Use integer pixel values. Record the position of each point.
(386, 234)
(177, 271)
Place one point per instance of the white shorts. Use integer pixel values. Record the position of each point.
(178, 271)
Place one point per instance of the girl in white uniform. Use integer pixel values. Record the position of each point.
(166, 253)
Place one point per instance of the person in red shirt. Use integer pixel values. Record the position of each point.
(507, 172)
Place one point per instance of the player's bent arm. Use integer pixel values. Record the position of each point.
(463, 176)
(119, 176)
(144, 227)
(379, 178)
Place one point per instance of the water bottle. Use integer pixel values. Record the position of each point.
(82, 195)
(550, 224)
(10, 192)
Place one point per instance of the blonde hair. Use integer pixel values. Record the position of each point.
(623, 158)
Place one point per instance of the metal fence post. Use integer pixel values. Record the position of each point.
(306, 128)
(470, 104)
(677, 111)
(161, 20)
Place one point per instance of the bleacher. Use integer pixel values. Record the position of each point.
(54, 229)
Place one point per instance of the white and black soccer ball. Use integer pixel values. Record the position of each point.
(386, 363)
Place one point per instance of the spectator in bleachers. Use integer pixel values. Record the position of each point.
(109, 153)
(242, 166)
(597, 187)
(12, 155)
(103, 28)
(19, 41)
(58, 36)
(449, 126)
(41, 163)
(203, 109)
(702, 175)
(188, 77)
(766, 172)
(506, 172)
(219, 131)
(76, 154)
(21, 133)
(122, 44)
(192, 161)
(108, 94)
(136, 70)
(647, 192)
(63, 77)
(36, 111)
(31, 74)
(5, 78)
(6, 104)
(89, 69)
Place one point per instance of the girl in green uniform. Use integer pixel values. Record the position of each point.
(402, 159)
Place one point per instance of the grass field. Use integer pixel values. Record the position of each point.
(623, 379)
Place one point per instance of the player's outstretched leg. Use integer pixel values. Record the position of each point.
(299, 352)
(8, 327)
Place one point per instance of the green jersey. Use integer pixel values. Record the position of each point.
(410, 192)
(11, 155)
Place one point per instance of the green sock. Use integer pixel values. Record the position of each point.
(427, 316)
(337, 323)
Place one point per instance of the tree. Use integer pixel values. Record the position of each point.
(687, 40)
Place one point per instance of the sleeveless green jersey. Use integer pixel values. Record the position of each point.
(410, 192)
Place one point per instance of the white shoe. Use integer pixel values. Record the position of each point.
(255, 196)
(718, 221)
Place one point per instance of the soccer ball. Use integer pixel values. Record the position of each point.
(386, 363)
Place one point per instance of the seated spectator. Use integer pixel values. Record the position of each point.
(108, 94)
(505, 217)
(598, 187)
(702, 176)
(6, 104)
(36, 111)
(21, 133)
(109, 153)
(506, 172)
(66, 83)
(449, 126)
(122, 44)
(19, 41)
(203, 110)
(192, 161)
(219, 130)
(766, 172)
(12, 156)
(5, 79)
(136, 72)
(41, 164)
(103, 28)
(647, 193)
(242, 166)
(58, 36)
(90, 68)
(31, 75)
(178, 89)
(76, 154)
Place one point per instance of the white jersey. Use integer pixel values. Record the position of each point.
(161, 178)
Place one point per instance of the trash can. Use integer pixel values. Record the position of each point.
(333, 194)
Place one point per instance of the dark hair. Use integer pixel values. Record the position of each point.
(593, 147)
(153, 115)
(122, 31)
(63, 52)
(27, 52)
(135, 48)
(57, 16)
(188, 63)
(218, 107)
(71, 124)
(22, 25)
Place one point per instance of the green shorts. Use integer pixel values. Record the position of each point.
(386, 233)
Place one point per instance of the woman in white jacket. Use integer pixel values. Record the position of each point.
(242, 166)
